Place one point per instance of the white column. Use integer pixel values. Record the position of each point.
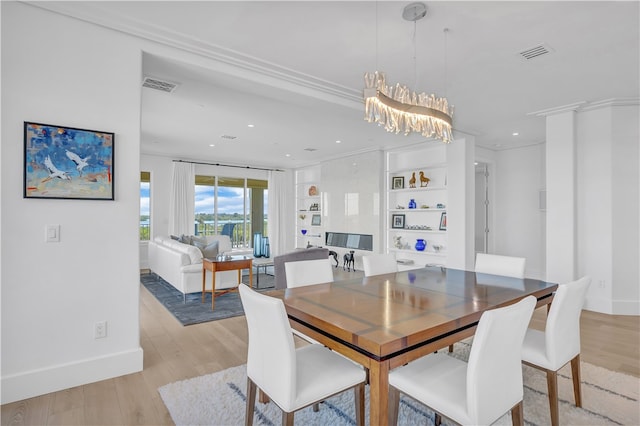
(461, 203)
(561, 196)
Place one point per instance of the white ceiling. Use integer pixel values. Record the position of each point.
(295, 70)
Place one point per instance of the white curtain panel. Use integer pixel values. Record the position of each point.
(281, 212)
(181, 199)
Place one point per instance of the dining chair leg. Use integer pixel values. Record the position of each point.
(394, 402)
(552, 388)
(359, 399)
(450, 348)
(287, 419)
(438, 419)
(316, 407)
(517, 416)
(251, 402)
(575, 373)
(263, 397)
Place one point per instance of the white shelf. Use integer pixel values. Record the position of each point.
(418, 231)
(416, 210)
(419, 188)
(414, 251)
(417, 169)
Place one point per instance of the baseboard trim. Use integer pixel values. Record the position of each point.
(33, 383)
(626, 307)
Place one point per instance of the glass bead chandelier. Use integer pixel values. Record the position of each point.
(400, 110)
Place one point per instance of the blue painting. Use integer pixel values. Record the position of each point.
(65, 162)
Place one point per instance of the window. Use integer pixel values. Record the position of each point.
(232, 206)
(145, 198)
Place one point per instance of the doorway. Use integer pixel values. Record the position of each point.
(482, 205)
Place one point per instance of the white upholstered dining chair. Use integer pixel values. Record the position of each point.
(477, 392)
(494, 264)
(292, 378)
(308, 272)
(559, 343)
(377, 264)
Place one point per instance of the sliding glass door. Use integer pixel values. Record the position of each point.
(230, 206)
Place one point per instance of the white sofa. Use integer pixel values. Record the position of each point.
(181, 264)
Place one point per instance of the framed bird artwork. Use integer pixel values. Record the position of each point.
(67, 162)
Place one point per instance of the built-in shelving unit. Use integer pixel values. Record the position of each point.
(417, 207)
(308, 208)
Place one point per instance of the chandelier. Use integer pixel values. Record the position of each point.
(400, 110)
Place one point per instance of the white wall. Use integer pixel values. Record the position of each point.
(518, 225)
(61, 71)
(608, 213)
(352, 191)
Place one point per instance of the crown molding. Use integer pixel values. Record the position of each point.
(558, 110)
(587, 106)
(263, 71)
(611, 103)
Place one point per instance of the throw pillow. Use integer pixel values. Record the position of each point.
(185, 239)
(175, 237)
(210, 251)
(196, 239)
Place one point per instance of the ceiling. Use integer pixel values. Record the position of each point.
(294, 70)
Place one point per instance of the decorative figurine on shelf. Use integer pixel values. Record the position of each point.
(304, 231)
(412, 204)
(313, 190)
(423, 180)
(440, 206)
(302, 216)
(349, 261)
(398, 241)
(420, 244)
(412, 181)
(335, 256)
(314, 207)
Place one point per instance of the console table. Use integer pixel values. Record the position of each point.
(228, 263)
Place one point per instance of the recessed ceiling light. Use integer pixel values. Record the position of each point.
(515, 133)
(250, 125)
(475, 163)
(338, 141)
(287, 155)
(211, 144)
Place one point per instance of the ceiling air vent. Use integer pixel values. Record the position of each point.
(536, 51)
(163, 86)
(311, 149)
(228, 137)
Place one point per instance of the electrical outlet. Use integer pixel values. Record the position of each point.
(602, 284)
(100, 330)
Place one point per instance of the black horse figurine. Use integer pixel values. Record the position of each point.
(335, 256)
(349, 261)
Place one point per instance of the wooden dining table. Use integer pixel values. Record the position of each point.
(385, 321)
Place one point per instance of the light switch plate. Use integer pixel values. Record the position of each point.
(52, 234)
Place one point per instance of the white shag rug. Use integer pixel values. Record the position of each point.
(609, 398)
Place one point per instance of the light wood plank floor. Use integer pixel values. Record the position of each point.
(173, 352)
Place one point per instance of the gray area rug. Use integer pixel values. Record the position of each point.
(193, 311)
(609, 398)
